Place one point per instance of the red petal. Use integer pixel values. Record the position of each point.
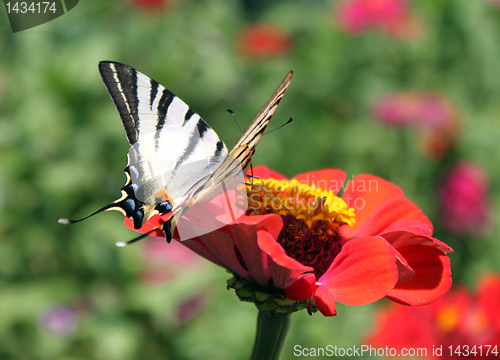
(325, 301)
(366, 193)
(399, 239)
(405, 271)
(220, 246)
(415, 227)
(282, 269)
(432, 276)
(395, 238)
(198, 247)
(154, 222)
(364, 272)
(264, 172)
(244, 234)
(326, 179)
(383, 218)
(301, 289)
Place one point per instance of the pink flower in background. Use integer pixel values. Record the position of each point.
(400, 109)
(436, 118)
(463, 199)
(460, 318)
(259, 41)
(496, 2)
(164, 261)
(190, 308)
(60, 320)
(391, 16)
(418, 109)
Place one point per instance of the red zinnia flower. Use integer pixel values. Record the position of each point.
(460, 320)
(299, 239)
(258, 41)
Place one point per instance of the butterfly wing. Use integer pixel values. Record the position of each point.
(174, 151)
(239, 157)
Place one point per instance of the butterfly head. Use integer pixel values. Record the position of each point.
(164, 203)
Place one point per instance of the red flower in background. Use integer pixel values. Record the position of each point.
(391, 16)
(436, 118)
(259, 41)
(463, 199)
(459, 319)
(300, 239)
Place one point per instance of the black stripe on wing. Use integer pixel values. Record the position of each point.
(218, 150)
(188, 116)
(197, 136)
(152, 93)
(121, 83)
(166, 99)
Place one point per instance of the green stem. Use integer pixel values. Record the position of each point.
(271, 333)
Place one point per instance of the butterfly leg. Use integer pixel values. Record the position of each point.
(277, 200)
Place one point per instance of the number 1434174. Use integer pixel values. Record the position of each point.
(480, 350)
(39, 7)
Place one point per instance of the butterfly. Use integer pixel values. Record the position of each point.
(176, 160)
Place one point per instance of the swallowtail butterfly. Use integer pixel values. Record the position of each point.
(176, 159)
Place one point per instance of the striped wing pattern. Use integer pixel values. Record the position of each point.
(239, 157)
(174, 151)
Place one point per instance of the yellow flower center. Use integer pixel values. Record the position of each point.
(311, 218)
(448, 318)
(300, 200)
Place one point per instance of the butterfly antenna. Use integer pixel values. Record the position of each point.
(279, 127)
(234, 117)
(249, 202)
(254, 177)
(65, 221)
(251, 177)
(143, 236)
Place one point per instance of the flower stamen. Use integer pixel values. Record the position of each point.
(304, 202)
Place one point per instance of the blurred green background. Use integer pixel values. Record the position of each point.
(67, 292)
